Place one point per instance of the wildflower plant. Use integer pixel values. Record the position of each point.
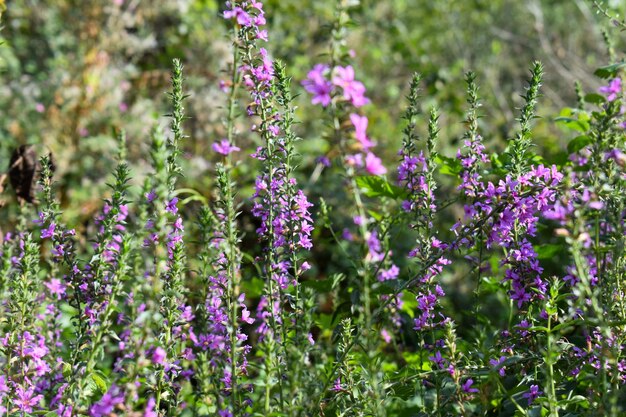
(467, 283)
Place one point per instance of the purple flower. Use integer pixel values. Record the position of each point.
(171, 206)
(613, 89)
(149, 411)
(305, 241)
(49, 232)
(317, 84)
(438, 360)
(337, 386)
(532, 394)
(25, 399)
(151, 196)
(103, 408)
(498, 362)
(467, 386)
(224, 147)
(324, 161)
(56, 287)
(387, 274)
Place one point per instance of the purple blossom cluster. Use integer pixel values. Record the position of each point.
(413, 175)
(339, 85)
(286, 223)
(507, 212)
(324, 83)
(214, 340)
(591, 359)
(112, 247)
(169, 327)
(29, 371)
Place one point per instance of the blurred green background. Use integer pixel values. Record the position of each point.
(72, 70)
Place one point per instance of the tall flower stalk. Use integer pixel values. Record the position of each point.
(283, 209)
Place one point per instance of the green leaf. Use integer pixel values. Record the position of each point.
(547, 251)
(580, 124)
(448, 166)
(576, 399)
(566, 325)
(320, 285)
(100, 381)
(375, 215)
(595, 98)
(66, 370)
(578, 143)
(610, 71)
(379, 187)
(386, 288)
(253, 287)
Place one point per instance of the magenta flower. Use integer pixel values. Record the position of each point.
(337, 386)
(224, 147)
(613, 89)
(238, 13)
(317, 84)
(353, 91)
(374, 165)
(56, 287)
(26, 399)
(158, 356)
(388, 274)
(149, 411)
(355, 160)
(385, 335)
(360, 127)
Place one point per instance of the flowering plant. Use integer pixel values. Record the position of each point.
(473, 283)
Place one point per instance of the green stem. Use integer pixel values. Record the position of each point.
(551, 393)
